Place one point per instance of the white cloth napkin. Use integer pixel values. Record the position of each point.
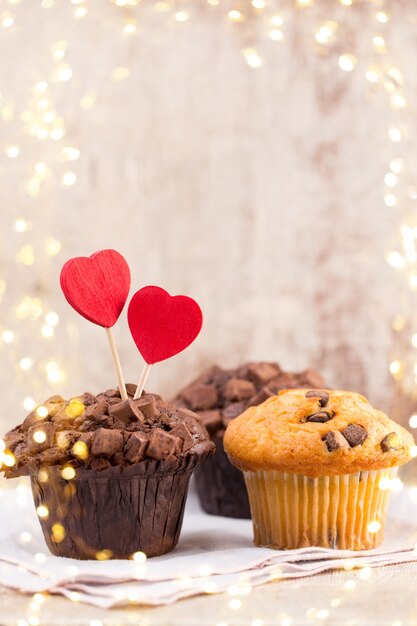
(213, 554)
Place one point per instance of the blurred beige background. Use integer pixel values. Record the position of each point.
(240, 161)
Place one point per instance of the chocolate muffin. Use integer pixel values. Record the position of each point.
(110, 475)
(218, 396)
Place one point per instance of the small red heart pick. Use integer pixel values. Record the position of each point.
(162, 325)
(97, 286)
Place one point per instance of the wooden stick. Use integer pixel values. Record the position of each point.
(117, 366)
(142, 381)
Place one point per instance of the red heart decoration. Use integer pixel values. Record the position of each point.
(97, 286)
(162, 325)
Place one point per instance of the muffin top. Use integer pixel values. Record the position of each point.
(97, 432)
(316, 433)
(219, 395)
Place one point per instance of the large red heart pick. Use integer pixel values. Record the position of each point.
(162, 325)
(97, 286)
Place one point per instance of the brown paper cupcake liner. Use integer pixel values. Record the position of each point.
(115, 512)
(221, 487)
(295, 511)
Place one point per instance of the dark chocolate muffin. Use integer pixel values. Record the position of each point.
(218, 396)
(111, 475)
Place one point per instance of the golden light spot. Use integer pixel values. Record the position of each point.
(374, 526)
(58, 533)
(39, 598)
(182, 16)
(75, 408)
(394, 134)
(25, 537)
(68, 473)
(25, 363)
(235, 604)
(252, 58)
(42, 411)
(119, 74)
(80, 450)
(104, 555)
(8, 458)
(347, 62)
(52, 318)
(413, 452)
(74, 596)
(7, 336)
(236, 16)
(139, 557)
(47, 331)
(12, 151)
(43, 476)
(88, 101)
(39, 436)
(43, 511)
(26, 255)
(69, 179)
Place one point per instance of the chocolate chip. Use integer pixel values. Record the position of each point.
(313, 378)
(106, 442)
(391, 442)
(161, 444)
(233, 410)
(136, 447)
(321, 417)
(112, 393)
(323, 396)
(46, 431)
(261, 373)
(239, 389)
(125, 412)
(131, 389)
(212, 420)
(96, 409)
(184, 434)
(355, 435)
(335, 440)
(147, 406)
(200, 397)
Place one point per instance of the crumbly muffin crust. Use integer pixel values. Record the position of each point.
(316, 433)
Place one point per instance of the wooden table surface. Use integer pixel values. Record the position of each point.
(386, 596)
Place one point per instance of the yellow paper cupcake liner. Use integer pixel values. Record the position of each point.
(295, 511)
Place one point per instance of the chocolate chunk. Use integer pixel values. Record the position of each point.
(66, 438)
(391, 442)
(106, 442)
(131, 389)
(261, 396)
(184, 434)
(200, 397)
(323, 396)
(136, 446)
(208, 377)
(355, 435)
(96, 409)
(313, 378)
(147, 406)
(112, 393)
(239, 389)
(261, 373)
(125, 412)
(212, 420)
(86, 438)
(162, 444)
(283, 381)
(99, 463)
(88, 398)
(320, 417)
(335, 440)
(32, 419)
(232, 411)
(46, 432)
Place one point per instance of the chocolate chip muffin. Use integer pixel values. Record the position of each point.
(218, 396)
(318, 465)
(111, 475)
